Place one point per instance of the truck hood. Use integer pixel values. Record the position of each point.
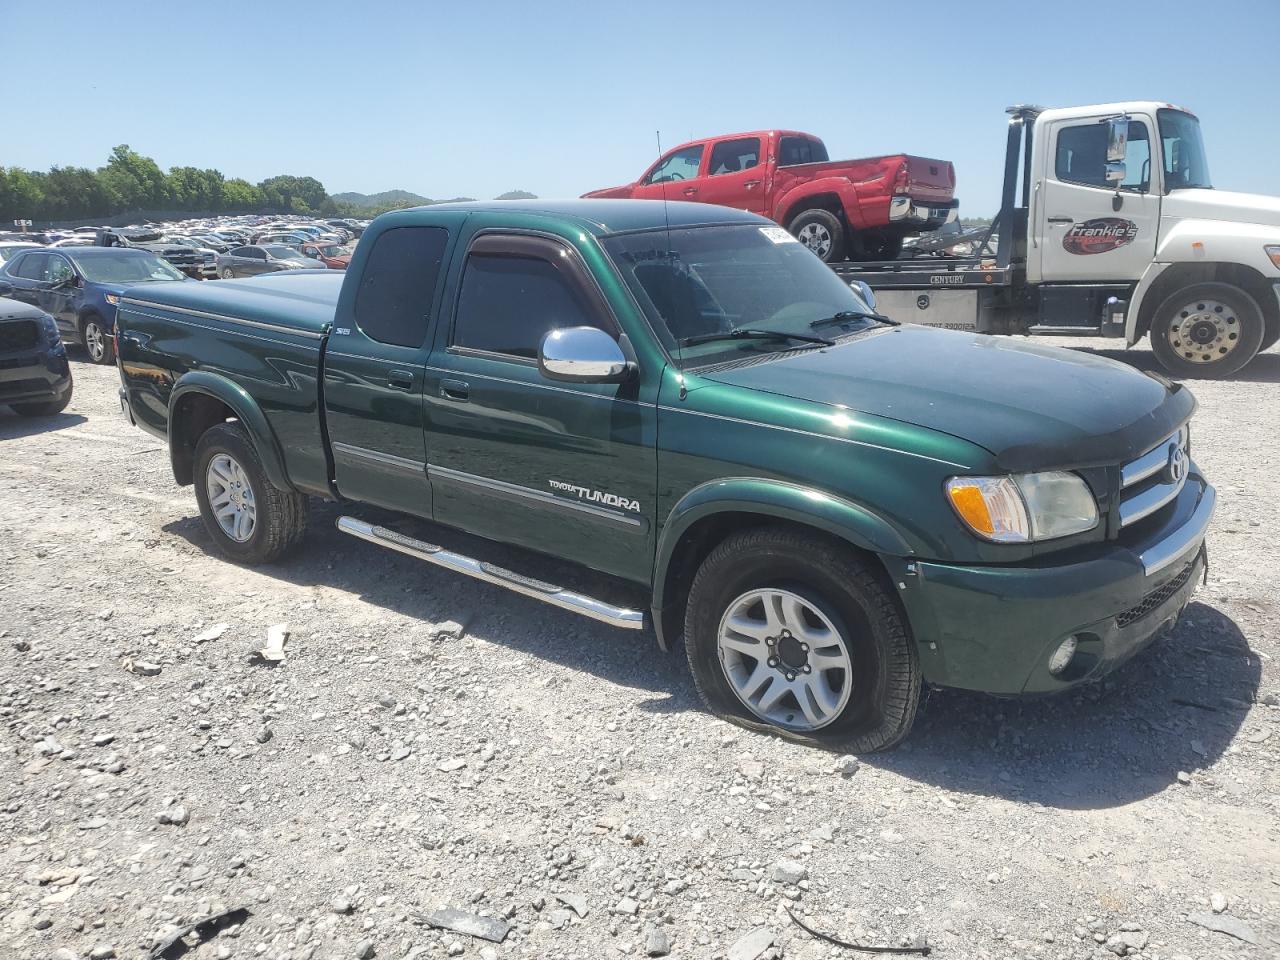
(1033, 407)
(1223, 205)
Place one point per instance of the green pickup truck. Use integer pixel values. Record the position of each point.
(830, 508)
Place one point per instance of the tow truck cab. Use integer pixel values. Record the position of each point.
(1108, 226)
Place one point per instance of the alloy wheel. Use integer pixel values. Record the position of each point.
(95, 341)
(231, 498)
(784, 659)
(816, 237)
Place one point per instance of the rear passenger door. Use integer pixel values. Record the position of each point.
(373, 370)
(564, 468)
(735, 175)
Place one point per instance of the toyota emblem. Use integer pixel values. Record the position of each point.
(1176, 468)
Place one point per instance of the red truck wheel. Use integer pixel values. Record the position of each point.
(822, 232)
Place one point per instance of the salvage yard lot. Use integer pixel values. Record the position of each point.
(389, 767)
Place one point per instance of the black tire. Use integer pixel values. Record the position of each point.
(1270, 337)
(822, 232)
(105, 350)
(45, 408)
(1231, 317)
(281, 515)
(882, 703)
(867, 246)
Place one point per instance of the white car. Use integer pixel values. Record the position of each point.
(10, 247)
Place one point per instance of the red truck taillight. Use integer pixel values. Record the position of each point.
(902, 182)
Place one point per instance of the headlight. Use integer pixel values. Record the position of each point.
(1274, 253)
(113, 298)
(51, 329)
(1024, 506)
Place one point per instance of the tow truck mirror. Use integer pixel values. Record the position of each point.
(864, 291)
(1117, 139)
(1115, 174)
(582, 355)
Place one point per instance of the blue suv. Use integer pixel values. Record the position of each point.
(35, 378)
(80, 287)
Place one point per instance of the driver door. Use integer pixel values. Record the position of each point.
(567, 469)
(677, 176)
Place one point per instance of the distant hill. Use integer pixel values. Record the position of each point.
(517, 195)
(387, 198)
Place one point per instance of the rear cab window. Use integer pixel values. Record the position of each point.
(398, 284)
(795, 150)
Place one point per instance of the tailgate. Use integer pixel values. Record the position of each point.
(926, 179)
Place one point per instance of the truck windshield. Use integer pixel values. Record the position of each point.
(1185, 165)
(698, 281)
(130, 269)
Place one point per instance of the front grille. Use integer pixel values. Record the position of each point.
(13, 363)
(18, 335)
(1154, 479)
(1157, 596)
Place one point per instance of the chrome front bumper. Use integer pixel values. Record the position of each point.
(1185, 540)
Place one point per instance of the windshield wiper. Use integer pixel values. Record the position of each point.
(854, 315)
(750, 334)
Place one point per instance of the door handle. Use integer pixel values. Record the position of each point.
(751, 183)
(458, 390)
(400, 379)
(1061, 220)
(690, 191)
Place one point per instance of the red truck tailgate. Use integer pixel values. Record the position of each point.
(926, 179)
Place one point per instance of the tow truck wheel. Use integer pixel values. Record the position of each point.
(794, 634)
(822, 232)
(250, 519)
(1206, 330)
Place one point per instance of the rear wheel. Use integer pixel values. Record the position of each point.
(869, 245)
(97, 342)
(1206, 330)
(822, 232)
(249, 519)
(796, 634)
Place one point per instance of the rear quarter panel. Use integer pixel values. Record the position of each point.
(277, 369)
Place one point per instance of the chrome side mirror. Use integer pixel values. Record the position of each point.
(1115, 173)
(1117, 139)
(863, 290)
(582, 355)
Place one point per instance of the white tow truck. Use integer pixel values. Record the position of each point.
(1108, 226)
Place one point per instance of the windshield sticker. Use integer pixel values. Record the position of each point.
(1099, 236)
(778, 235)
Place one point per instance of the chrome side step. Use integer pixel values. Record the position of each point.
(488, 572)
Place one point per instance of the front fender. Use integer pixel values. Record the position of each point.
(840, 186)
(246, 410)
(778, 500)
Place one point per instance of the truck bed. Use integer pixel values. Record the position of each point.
(302, 301)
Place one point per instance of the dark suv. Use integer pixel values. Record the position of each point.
(35, 378)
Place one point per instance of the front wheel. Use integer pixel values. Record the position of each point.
(1206, 330)
(227, 274)
(796, 634)
(822, 232)
(97, 342)
(250, 519)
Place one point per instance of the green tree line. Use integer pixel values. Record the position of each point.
(131, 182)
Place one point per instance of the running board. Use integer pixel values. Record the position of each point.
(489, 573)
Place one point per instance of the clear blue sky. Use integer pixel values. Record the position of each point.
(558, 98)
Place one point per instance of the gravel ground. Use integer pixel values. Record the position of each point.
(433, 742)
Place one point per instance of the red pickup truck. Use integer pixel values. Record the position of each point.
(854, 209)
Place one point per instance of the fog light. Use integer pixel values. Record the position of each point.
(1061, 658)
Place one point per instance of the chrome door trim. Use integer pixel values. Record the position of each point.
(514, 491)
(377, 456)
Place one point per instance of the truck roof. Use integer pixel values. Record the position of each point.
(1123, 106)
(600, 216)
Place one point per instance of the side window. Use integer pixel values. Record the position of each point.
(32, 266)
(256, 253)
(796, 150)
(1081, 156)
(681, 165)
(508, 303)
(57, 270)
(238, 252)
(733, 156)
(398, 284)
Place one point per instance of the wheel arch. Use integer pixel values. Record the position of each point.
(709, 513)
(835, 196)
(200, 400)
(1154, 290)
